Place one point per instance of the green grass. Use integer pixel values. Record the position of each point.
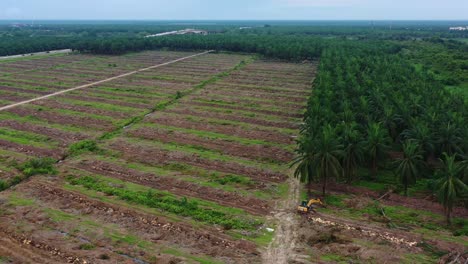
(27, 138)
(15, 200)
(206, 154)
(330, 257)
(200, 210)
(208, 134)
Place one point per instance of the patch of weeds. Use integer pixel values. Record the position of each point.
(4, 259)
(460, 227)
(3, 185)
(38, 166)
(332, 257)
(87, 246)
(226, 179)
(334, 200)
(162, 201)
(431, 249)
(104, 257)
(82, 147)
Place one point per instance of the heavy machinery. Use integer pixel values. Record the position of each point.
(307, 207)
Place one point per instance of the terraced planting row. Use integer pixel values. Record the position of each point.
(23, 80)
(170, 165)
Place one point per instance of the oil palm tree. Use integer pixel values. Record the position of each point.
(353, 151)
(376, 144)
(421, 134)
(449, 185)
(326, 156)
(409, 167)
(304, 167)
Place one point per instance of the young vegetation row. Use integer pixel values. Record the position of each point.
(167, 203)
(374, 109)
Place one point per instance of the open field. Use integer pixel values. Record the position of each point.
(182, 166)
(184, 163)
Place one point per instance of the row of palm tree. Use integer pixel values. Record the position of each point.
(365, 107)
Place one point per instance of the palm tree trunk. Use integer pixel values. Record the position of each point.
(374, 168)
(449, 217)
(324, 187)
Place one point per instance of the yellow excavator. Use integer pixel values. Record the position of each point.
(307, 207)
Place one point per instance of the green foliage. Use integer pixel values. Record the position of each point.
(182, 207)
(226, 179)
(87, 246)
(82, 147)
(38, 166)
(3, 185)
(409, 167)
(450, 186)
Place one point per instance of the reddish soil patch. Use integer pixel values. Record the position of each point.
(246, 101)
(233, 117)
(179, 187)
(23, 90)
(52, 103)
(79, 121)
(249, 109)
(234, 130)
(265, 89)
(260, 95)
(258, 152)
(108, 101)
(33, 151)
(156, 156)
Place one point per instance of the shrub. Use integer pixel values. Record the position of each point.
(38, 166)
(83, 146)
(3, 185)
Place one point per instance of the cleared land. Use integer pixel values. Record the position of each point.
(186, 166)
(188, 162)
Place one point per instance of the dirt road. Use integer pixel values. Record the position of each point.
(100, 82)
(282, 249)
(64, 51)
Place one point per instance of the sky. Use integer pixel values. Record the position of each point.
(234, 9)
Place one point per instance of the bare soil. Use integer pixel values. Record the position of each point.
(258, 152)
(231, 199)
(228, 129)
(150, 156)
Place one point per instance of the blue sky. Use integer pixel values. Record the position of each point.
(236, 9)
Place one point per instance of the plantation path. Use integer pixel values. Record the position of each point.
(102, 81)
(282, 249)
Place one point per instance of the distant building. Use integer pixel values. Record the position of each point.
(180, 32)
(459, 28)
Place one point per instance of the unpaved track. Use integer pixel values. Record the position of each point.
(282, 249)
(100, 82)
